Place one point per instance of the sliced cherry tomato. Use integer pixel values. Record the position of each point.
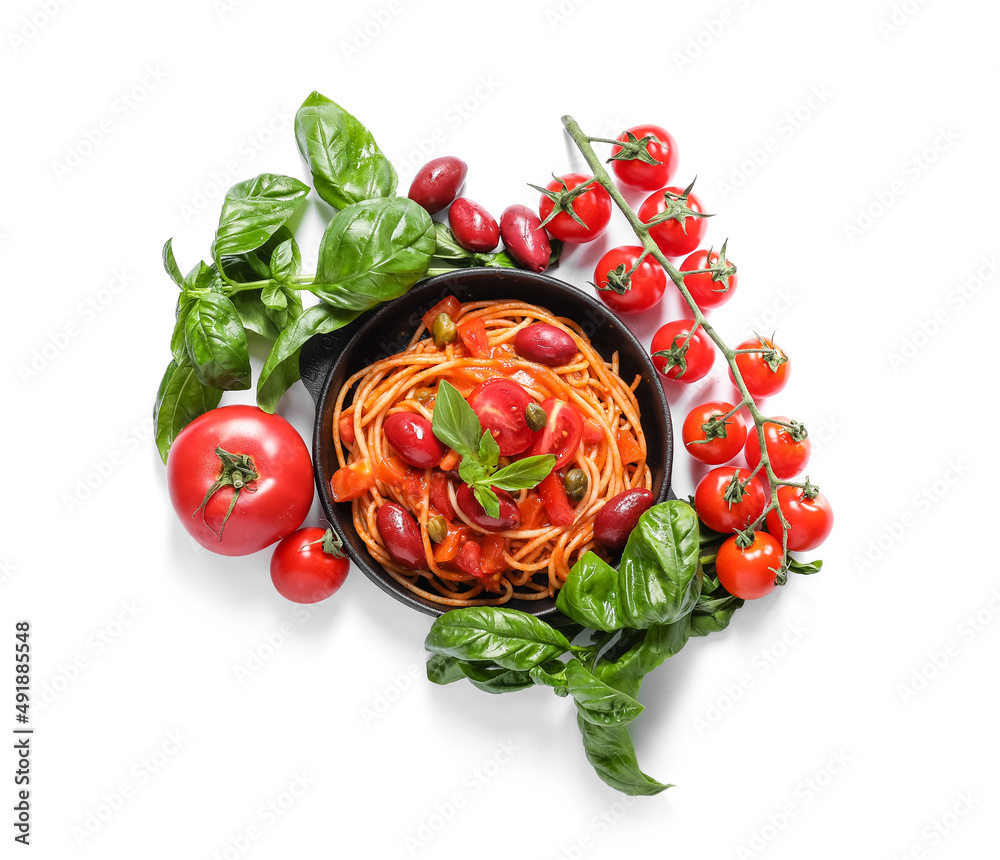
(532, 511)
(439, 497)
(787, 454)
(636, 173)
(624, 293)
(448, 305)
(346, 428)
(709, 289)
(391, 471)
(475, 338)
(499, 405)
(592, 206)
(765, 369)
(809, 516)
(469, 558)
(562, 433)
(492, 560)
(628, 447)
(709, 439)
(749, 573)
(593, 433)
(308, 566)
(680, 358)
(557, 504)
(449, 548)
(450, 461)
(352, 481)
(683, 226)
(728, 514)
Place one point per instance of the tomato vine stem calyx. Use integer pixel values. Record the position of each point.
(238, 472)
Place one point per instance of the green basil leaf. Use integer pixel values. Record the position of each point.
(446, 246)
(489, 452)
(216, 343)
(274, 297)
(346, 164)
(590, 594)
(254, 315)
(253, 210)
(509, 638)
(596, 701)
(181, 398)
(524, 474)
(373, 252)
(609, 749)
(202, 277)
(281, 368)
(626, 671)
(177, 348)
(454, 422)
(495, 679)
(471, 471)
(551, 674)
(442, 669)
(170, 264)
(487, 498)
(703, 623)
(659, 578)
(284, 264)
(804, 567)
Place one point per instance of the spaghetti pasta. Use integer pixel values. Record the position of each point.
(536, 556)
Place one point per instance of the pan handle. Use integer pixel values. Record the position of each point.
(319, 353)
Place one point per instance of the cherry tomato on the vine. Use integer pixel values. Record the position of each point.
(709, 289)
(721, 506)
(765, 370)
(638, 174)
(708, 438)
(308, 566)
(810, 517)
(678, 357)
(684, 222)
(751, 572)
(788, 454)
(580, 194)
(635, 293)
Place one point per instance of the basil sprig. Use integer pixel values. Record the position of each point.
(456, 424)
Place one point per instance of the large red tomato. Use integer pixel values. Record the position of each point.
(239, 479)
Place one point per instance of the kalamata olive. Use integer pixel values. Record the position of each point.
(474, 228)
(445, 331)
(510, 516)
(413, 439)
(401, 536)
(525, 238)
(438, 182)
(545, 344)
(615, 521)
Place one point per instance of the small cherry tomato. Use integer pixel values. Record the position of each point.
(788, 450)
(524, 238)
(714, 288)
(749, 573)
(722, 506)
(352, 481)
(308, 566)
(468, 504)
(545, 344)
(580, 194)
(474, 228)
(401, 536)
(412, 437)
(557, 506)
(684, 222)
(636, 173)
(810, 518)
(438, 182)
(616, 520)
(680, 358)
(765, 369)
(500, 405)
(562, 433)
(625, 293)
(708, 438)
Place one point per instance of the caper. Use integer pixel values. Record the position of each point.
(444, 330)
(535, 416)
(437, 528)
(423, 395)
(576, 483)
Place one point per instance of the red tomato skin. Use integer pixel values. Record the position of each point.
(593, 206)
(647, 284)
(700, 355)
(707, 293)
(302, 572)
(648, 177)
(499, 405)
(810, 521)
(282, 493)
(788, 457)
(760, 380)
(671, 238)
(750, 573)
(562, 434)
(718, 514)
(715, 451)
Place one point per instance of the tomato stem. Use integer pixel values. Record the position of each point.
(237, 471)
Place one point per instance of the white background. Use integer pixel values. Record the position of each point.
(853, 712)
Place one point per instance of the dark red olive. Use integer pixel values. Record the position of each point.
(524, 238)
(510, 516)
(545, 344)
(438, 182)
(615, 521)
(474, 228)
(412, 437)
(401, 536)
